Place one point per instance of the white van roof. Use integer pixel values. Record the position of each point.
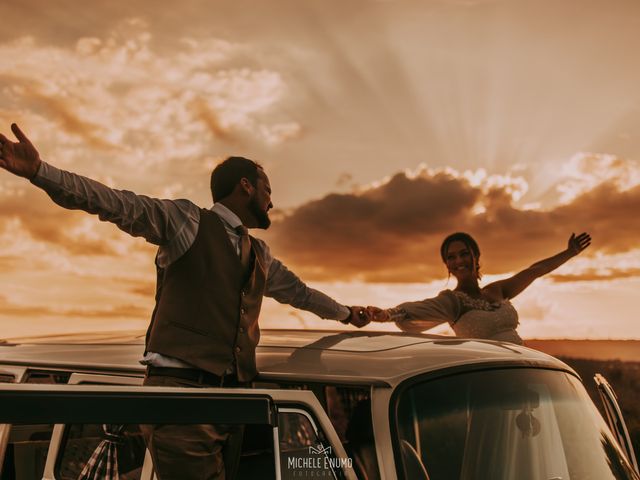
(350, 357)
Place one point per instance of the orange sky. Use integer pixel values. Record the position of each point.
(383, 125)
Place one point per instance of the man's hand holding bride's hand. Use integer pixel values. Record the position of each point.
(359, 317)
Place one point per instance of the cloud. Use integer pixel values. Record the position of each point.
(33, 310)
(367, 231)
(596, 275)
(28, 215)
(586, 171)
(210, 118)
(60, 110)
(534, 308)
(392, 230)
(121, 98)
(144, 289)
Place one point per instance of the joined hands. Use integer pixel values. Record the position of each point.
(359, 317)
(362, 316)
(378, 314)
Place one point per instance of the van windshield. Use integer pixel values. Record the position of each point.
(524, 423)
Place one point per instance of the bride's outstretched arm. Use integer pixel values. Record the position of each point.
(416, 317)
(511, 287)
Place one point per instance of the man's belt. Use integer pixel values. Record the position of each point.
(195, 375)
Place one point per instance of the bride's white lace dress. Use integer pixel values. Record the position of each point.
(469, 317)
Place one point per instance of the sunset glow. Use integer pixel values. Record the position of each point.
(383, 126)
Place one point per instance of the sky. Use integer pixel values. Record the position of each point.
(383, 125)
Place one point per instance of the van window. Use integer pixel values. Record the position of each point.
(79, 447)
(38, 376)
(304, 452)
(349, 410)
(27, 445)
(82, 442)
(503, 424)
(26, 452)
(257, 454)
(123, 447)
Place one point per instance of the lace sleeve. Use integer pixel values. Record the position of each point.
(397, 314)
(416, 317)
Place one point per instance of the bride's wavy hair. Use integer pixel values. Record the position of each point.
(468, 241)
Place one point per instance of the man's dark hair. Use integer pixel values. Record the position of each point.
(227, 175)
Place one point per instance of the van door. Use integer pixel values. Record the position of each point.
(615, 419)
(95, 418)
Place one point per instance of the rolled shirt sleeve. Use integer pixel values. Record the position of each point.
(425, 314)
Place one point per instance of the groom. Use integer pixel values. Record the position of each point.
(211, 278)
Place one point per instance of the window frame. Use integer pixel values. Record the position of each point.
(615, 420)
(19, 375)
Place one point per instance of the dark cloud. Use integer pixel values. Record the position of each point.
(393, 232)
(374, 233)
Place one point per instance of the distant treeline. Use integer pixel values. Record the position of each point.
(624, 378)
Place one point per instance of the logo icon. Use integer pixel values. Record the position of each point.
(319, 449)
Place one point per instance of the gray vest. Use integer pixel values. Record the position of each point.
(207, 308)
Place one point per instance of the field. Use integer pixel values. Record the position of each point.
(625, 350)
(617, 361)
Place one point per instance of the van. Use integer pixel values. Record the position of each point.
(326, 404)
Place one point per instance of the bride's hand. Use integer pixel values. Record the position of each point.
(378, 314)
(579, 243)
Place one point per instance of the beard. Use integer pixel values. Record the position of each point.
(261, 216)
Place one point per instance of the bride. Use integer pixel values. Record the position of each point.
(471, 310)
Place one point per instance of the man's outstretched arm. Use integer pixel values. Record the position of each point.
(286, 287)
(161, 222)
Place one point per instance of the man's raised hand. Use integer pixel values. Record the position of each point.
(20, 158)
